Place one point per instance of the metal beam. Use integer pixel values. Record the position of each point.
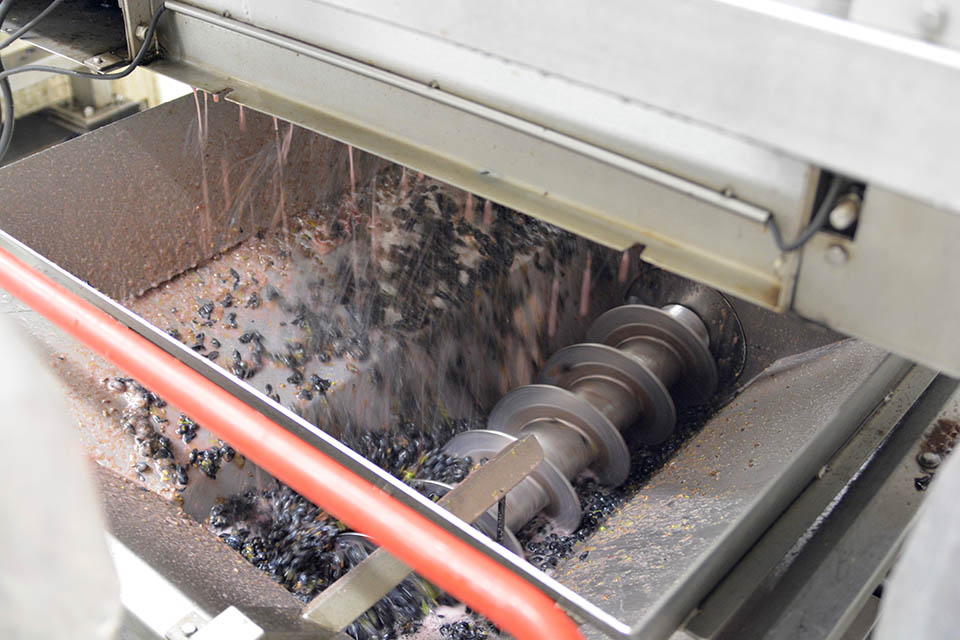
(832, 92)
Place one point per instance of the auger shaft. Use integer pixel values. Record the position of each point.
(589, 398)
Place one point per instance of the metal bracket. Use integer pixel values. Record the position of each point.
(103, 61)
(187, 626)
(230, 624)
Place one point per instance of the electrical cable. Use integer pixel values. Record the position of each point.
(5, 7)
(30, 25)
(7, 132)
(151, 28)
(816, 222)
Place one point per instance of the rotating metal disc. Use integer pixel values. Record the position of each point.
(486, 523)
(360, 539)
(541, 402)
(627, 322)
(478, 443)
(588, 360)
(657, 287)
(564, 507)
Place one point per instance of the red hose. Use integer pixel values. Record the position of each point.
(467, 574)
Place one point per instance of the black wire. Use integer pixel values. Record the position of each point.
(816, 222)
(5, 7)
(151, 28)
(6, 134)
(30, 25)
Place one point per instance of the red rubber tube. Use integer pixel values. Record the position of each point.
(510, 602)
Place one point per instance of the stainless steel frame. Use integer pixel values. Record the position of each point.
(812, 86)
(663, 552)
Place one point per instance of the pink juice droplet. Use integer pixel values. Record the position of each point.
(353, 175)
(225, 177)
(207, 230)
(468, 209)
(280, 214)
(403, 183)
(286, 143)
(554, 300)
(585, 287)
(624, 267)
(196, 100)
(374, 231)
(206, 116)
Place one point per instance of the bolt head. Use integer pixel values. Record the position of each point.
(188, 628)
(837, 254)
(844, 215)
(88, 111)
(140, 32)
(929, 460)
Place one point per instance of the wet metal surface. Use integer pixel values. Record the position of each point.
(653, 560)
(763, 562)
(132, 204)
(209, 572)
(773, 336)
(823, 582)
